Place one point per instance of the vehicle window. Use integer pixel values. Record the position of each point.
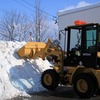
(91, 38)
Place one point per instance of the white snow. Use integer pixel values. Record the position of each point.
(18, 77)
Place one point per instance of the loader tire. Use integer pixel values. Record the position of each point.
(84, 86)
(50, 79)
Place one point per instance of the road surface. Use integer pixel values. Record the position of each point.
(61, 93)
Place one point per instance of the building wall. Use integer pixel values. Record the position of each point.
(90, 14)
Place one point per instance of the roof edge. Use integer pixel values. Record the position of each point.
(91, 6)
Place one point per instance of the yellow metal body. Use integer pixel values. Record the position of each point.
(48, 79)
(39, 49)
(73, 72)
(31, 48)
(82, 85)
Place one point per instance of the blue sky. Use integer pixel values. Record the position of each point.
(49, 6)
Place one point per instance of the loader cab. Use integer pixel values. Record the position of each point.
(83, 45)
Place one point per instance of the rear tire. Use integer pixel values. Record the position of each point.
(50, 79)
(84, 86)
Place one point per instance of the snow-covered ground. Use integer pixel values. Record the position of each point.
(18, 77)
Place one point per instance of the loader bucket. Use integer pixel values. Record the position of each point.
(30, 48)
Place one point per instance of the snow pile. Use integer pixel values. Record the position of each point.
(19, 76)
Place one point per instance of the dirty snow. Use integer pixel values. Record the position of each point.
(19, 77)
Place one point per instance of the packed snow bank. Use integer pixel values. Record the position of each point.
(19, 76)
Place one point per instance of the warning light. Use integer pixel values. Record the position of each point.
(79, 22)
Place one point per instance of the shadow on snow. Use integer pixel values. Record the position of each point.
(26, 77)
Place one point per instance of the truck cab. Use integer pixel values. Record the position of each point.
(82, 45)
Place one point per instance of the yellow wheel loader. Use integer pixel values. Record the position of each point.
(77, 65)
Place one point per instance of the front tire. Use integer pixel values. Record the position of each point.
(84, 86)
(50, 79)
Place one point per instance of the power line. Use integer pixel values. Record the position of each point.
(31, 9)
(24, 6)
(34, 12)
(54, 17)
(39, 9)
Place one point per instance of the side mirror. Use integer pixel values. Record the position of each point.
(59, 36)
